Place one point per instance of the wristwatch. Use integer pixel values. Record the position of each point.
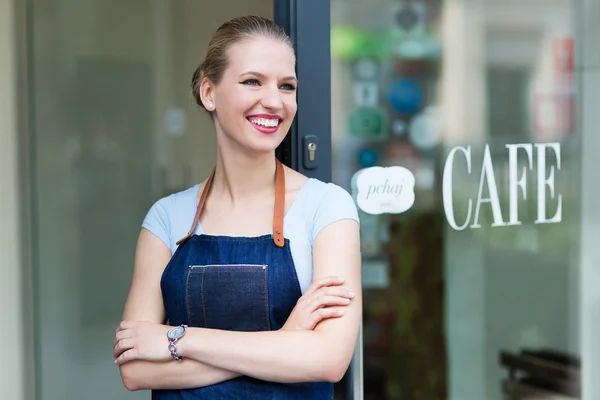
(174, 335)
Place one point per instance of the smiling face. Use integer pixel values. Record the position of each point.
(255, 101)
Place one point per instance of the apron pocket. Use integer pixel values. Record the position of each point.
(231, 297)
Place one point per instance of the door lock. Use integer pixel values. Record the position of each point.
(312, 147)
(310, 144)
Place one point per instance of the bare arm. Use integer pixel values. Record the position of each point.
(322, 354)
(145, 303)
(186, 374)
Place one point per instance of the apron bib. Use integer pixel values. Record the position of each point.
(238, 284)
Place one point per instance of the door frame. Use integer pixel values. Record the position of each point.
(308, 23)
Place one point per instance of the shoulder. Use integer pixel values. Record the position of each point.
(317, 205)
(166, 217)
(326, 203)
(314, 190)
(184, 202)
(323, 191)
(173, 203)
(321, 194)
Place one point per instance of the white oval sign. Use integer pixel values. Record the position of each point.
(380, 190)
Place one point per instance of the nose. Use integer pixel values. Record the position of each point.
(271, 98)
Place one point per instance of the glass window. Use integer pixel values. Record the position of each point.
(469, 235)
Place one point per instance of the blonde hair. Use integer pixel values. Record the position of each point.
(240, 28)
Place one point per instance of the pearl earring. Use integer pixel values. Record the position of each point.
(210, 106)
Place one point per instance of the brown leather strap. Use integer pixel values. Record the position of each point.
(279, 211)
(203, 197)
(279, 205)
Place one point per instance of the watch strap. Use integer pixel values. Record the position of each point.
(173, 344)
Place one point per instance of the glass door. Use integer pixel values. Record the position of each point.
(112, 131)
(453, 124)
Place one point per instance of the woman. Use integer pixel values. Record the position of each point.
(244, 320)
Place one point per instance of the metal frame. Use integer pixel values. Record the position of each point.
(587, 72)
(27, 192)
(307, 22)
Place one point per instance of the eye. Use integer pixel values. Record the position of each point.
(288, 86)
(250, 82)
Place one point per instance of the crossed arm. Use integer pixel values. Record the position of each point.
(212, 356)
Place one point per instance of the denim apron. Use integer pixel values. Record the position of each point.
(236, 284)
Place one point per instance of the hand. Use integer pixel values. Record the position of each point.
(317, 304)
(140, 340)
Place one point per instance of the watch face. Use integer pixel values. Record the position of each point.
(176, 332)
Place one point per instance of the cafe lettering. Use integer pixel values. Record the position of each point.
(517, 185)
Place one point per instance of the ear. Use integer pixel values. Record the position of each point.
(207, 94)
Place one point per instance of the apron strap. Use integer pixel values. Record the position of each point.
(279, 205)
(203, 197)
(278, 216)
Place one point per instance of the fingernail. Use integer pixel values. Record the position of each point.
(340, 312)
(351, 294)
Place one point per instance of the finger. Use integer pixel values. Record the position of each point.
(328, 281)
(129, 355)
(324, 313)
(329, 312)
(125, 325)
(126, 334)
(341, 291)
(122, 346)
(120, 335)
(326, 301)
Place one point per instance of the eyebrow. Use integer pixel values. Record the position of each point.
(263, 76)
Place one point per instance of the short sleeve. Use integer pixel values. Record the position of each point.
(334, 205)
(157, 220)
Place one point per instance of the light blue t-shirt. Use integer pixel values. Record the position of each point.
(317, 205)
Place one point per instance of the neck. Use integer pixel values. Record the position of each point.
(240, 177)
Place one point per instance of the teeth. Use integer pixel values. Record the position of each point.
(271, 123)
